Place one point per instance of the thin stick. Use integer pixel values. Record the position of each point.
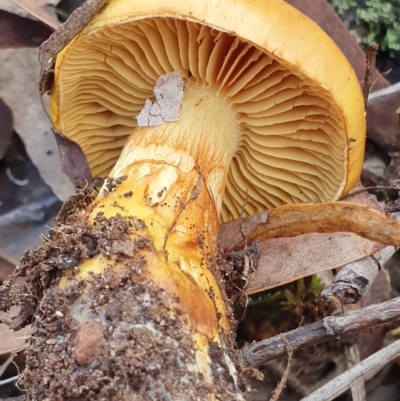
(354, 279)
(365, 189)
(369, 71)
(352, 357)
(341, 383)
(282, 383)
(332, 327)
(384, 94)
(277, 368)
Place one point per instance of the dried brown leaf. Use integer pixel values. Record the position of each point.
(73, 159)
(296, 241)
(20, 69)
(43, 10)
(284, 260)
(17, 31)
(7, 266)
(12, 341)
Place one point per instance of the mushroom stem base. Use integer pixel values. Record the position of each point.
(146, 317)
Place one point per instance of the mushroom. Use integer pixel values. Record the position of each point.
(209, 110)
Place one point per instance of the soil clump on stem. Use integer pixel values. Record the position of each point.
(107, 335)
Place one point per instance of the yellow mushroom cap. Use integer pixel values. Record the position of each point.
(297, 101)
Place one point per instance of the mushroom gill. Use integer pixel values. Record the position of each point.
(292, 144)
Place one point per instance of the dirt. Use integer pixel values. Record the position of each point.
(114, 336)
(234, 269)
(68, 242)
(130, 346)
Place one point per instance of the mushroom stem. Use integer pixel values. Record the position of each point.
(170, 197)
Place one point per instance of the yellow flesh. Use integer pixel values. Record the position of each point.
(289, 150)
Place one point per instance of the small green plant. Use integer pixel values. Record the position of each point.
(379, 18)
(294, 299)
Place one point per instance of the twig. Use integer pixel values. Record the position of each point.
(365, 189)
(383, 94)
(34, 212)
(342, 382)
(351, 283)
(282, 383)
(331, 327)
(357, 388)
(369, 71)
(351, 355)
(277, 369)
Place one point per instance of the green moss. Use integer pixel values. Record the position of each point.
(379, 18)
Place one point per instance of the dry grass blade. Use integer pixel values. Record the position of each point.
(5, 365)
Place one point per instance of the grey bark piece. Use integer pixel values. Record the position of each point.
(351, 283)
(19, 89)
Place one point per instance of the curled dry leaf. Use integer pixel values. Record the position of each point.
(300, 240)
(330, 217)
